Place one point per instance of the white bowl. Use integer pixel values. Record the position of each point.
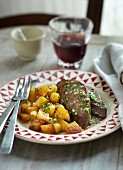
(27, 41)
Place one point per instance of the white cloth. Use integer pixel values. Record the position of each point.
(110, 67)
(116, 55)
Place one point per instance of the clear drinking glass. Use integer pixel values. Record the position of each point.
(70, 36)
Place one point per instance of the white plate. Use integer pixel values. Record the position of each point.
(107, 126)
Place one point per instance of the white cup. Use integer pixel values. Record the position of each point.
(27, 41)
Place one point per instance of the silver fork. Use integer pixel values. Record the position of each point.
(8, 111)
(7, 142)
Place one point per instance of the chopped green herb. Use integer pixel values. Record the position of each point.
(63, 101)
(46, 105)
(54, 119)
(102, 103)
(87, 110)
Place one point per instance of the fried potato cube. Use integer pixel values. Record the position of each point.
(50, 108)
(63, 124)
(34, 104)
(32, 108)
(32, 94)
(54, 98)
(35, 125)
(43, 116)
(25, 105)
(41, 100)
(57, 127)
(62, 113)
(43, 122)
(33, 115)
(48, 129)
(24, 117)
(73, 128)
(43, 90)
(51, 88)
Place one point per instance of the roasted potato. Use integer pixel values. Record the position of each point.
(48, 129)
(51, 88)
(35, 125)
(43, 90)
(73, 128)
(32, 95)
(57, 127)
(33, 115)
(62, 113)
(54, 98)
(41, 100)
(63, 124)
(24, 117)
(43, 116)
(49, 108)
(25, 105)
(32, 108)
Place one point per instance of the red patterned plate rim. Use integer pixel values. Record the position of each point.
(107, 126)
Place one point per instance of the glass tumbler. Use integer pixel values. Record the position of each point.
(70, 36)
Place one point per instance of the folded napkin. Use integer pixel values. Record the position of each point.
(110, 67)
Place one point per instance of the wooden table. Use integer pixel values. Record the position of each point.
(103, 154)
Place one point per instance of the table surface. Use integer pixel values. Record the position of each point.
(102, 154)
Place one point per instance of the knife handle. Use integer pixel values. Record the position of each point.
(7, 142)
(6, 114)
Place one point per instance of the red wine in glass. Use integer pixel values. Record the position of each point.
(70, 48)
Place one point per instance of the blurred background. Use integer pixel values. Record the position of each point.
(111, 23)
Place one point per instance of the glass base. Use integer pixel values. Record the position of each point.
(75, 65)
(27, 58)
